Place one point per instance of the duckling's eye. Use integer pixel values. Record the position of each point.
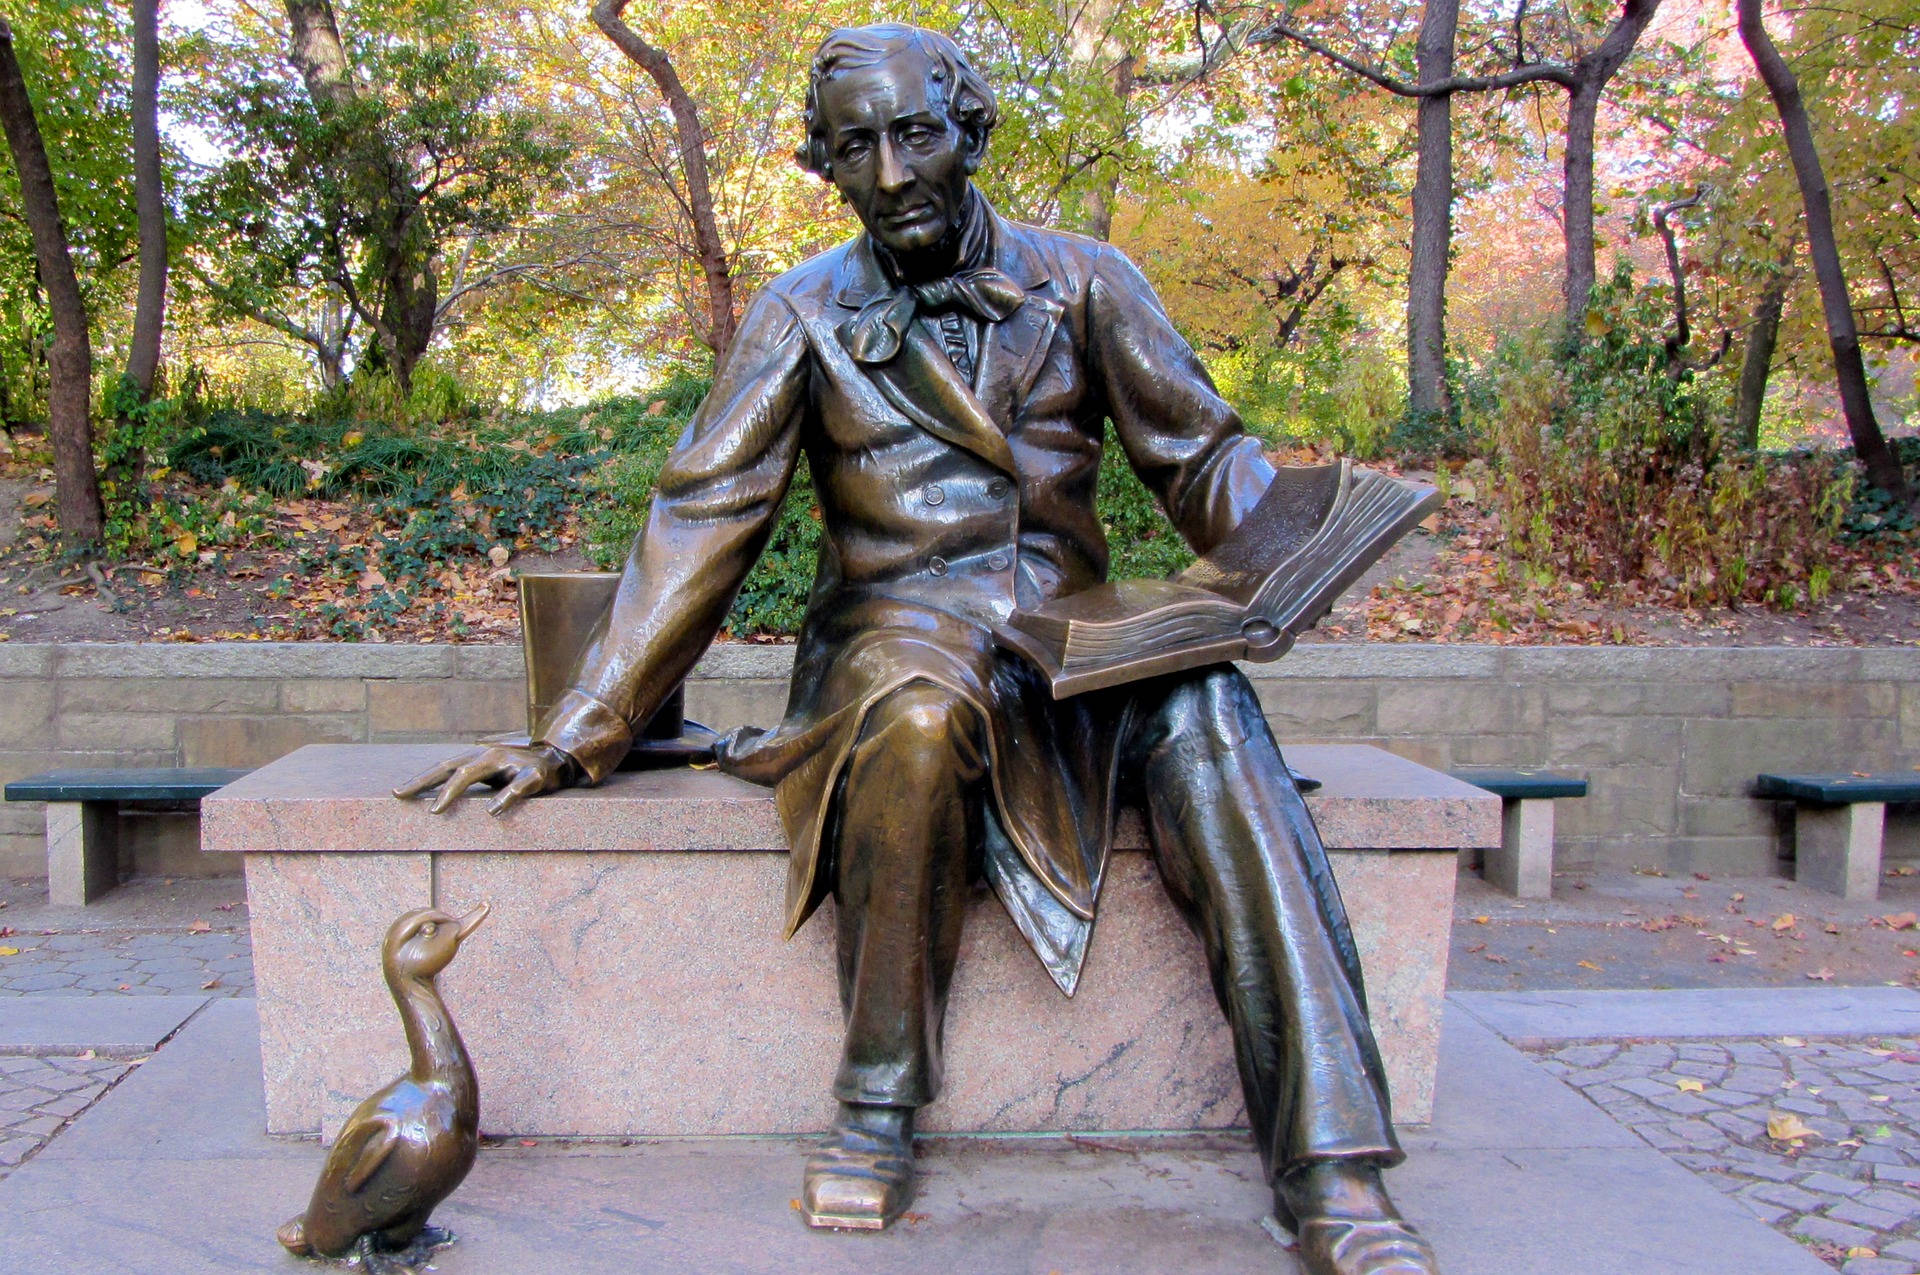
(426, 931)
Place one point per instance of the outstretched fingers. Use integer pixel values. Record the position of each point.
(483, 769)
(432, 777)
(529, 782)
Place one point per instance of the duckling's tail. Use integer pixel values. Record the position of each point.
(293, 1236)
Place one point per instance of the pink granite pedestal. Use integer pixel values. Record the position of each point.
(632, 982)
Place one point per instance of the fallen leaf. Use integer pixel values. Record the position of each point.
(1793, 1042)
(1588, 965)
(1739, 896)
(1901, 920)
(87, 1055)
(1879, 1097)
(1477, 948)
(498, 555)
(210, 984)
(1831, 928)
(199, 927)
(1861, 1250)
(1482, 920)
(1784, 921)
(1785, 1126)
(9, 951)
(1496, 958)
(528, 1142)
(1821, 975)
(1689, 1086)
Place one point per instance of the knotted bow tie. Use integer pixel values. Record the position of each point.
(987, 294)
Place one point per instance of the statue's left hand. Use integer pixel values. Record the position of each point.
(518, 772)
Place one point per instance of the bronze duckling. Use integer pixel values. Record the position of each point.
(409, 1145)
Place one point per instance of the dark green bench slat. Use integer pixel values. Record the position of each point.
(1521, 785)
(160, 783)
(1839, 790)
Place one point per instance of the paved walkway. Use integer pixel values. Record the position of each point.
(1616, 1131)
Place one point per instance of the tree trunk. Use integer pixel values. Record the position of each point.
(70, 362)
(1432, 218)
(1869, 445)
(693, 167)
(1576, 212)
(1757, 362)
(149, 312)
(1591, 75)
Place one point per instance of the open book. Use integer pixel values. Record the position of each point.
(1311, 535)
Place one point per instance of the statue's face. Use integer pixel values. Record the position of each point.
(897, 156)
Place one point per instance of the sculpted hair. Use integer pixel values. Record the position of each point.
(969, 100)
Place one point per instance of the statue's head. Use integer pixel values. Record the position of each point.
(898, 121)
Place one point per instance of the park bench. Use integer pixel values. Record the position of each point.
(1838, 823)
(1523, 865)
(83, 817)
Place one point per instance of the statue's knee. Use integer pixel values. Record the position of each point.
(1212, 707)
(922, 720)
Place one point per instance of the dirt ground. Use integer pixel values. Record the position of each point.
(1436, 585)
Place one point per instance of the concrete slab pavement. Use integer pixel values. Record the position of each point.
(1518, 1174)
(1539, 1018)
(121, 1025)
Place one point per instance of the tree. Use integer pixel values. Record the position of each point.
(70, 361)
(143, 359)
(1869, 445)
(1584, 75)
(390, 174)
(693, 166)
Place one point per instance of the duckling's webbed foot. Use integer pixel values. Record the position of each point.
(373, 1255)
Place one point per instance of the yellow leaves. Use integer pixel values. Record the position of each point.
(1785, 1126)
(352, 438)
(9, 951)
(1588, 965)
(186, 544)
(35, 499)
(1689, 1085)
(1785, 921)
(199, 927)
(498, 555)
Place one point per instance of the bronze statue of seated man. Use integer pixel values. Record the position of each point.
(949, 376)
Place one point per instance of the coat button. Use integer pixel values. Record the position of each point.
(998, 562)
(934, 495)
(998, 488)
(937, 565)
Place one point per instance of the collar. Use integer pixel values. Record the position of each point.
(860, 278)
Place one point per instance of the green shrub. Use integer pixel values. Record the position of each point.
(1609, 470)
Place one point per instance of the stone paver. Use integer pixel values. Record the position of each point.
(40, 1096)
(128, 963)
(1849, 1190)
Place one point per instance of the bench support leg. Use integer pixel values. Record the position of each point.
(1837, 848)
(83, 854)
(1523, 865)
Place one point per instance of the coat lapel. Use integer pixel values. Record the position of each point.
(921, 381)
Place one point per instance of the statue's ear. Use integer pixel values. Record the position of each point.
(973, 148)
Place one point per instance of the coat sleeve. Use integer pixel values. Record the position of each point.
(713, 508)
(1186, 443)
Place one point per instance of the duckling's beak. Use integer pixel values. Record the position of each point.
(471, 921)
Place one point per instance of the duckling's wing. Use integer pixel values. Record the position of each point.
(378, 1141)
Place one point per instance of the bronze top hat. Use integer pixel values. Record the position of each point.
(559, 611)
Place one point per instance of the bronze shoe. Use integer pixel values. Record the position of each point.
(1352, 1228)
(860, 1177)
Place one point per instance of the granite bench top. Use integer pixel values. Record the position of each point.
(338, 797)
(157, 783)
(1839, 789)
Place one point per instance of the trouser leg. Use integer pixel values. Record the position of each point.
(908, 812)
(1243, 861)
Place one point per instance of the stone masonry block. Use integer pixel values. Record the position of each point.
(1717, 856)
(1637, 699)
(1910, 716)
(253, 659)
(1447, 708)
(1601, 741)
(28, 718)
(752, 660)
(1624, 802)
(324, 695)
(1322, 709)
(28, 659)
(255, 741)
(1721, 758)
(127, 729)
(168, 695)
(1497, 750)
(726, 704)
(1837, 848)
(1394, 660)
(1728, 817)
(445, 706)
(1891, 663)
(489, 663)
(1815, 699)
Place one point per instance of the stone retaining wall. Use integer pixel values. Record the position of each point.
(1669, 737)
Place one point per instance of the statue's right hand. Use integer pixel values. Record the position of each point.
(518, 772)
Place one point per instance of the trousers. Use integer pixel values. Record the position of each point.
(1234, 844)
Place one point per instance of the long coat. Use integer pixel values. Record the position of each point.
(944, 505)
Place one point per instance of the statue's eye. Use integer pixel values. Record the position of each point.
(426, 931)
